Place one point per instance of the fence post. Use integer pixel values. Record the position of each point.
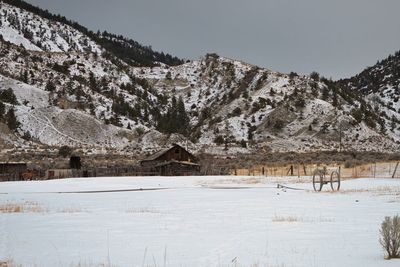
(395, 170)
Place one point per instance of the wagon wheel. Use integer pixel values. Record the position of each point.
(335, 181)
(318, 180)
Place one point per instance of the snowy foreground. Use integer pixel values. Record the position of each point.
(194, 221)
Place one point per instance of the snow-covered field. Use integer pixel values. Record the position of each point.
(194, 221)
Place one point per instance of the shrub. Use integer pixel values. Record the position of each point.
(27, 136)
(219, 140)
(314, 75)
(243, 143)
(65, 151)
(300, 102)
(278, 125)
(11, 120)
(2, 110)
(236, 112)
(292, 75)
(390, 236)
(8, 96)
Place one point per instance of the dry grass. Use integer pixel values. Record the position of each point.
(252, 181)
(70, 210)
(33, 207)
(11, 263)
(92, 265)
(289, 219)
(378, 191)
(246, 181)
(142, 210)
(8, 263)
(294, 218)
(27, 206)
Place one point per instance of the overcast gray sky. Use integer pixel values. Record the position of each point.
(336, 38)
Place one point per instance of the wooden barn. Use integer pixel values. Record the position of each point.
(174, 161)
(12, 171)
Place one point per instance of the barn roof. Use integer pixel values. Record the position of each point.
(162, 152)
(157, 154)
(179, 162)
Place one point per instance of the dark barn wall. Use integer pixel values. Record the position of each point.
(178, 169)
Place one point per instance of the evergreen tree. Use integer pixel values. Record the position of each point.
(92, 82)
(325, 94)
(393, 124)
(173, 116)
(24, 76)
(2, 110)
(182, 118)
(50, 86)
(70, 87)
(11, 120)
(175, 119)
(314, 75)
(335, 101)
(8, 96)
(65, 151)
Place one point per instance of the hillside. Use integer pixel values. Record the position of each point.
(73, 88)
(380, 87)
(37, 29)
(231, 102)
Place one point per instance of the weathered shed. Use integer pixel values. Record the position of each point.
(12, 171)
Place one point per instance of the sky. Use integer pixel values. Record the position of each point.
(335, 38)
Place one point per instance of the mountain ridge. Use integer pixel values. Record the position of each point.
(73, 91)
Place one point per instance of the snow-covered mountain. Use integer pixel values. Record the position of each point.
(79, 88)
(237, 103)
(380, 87)
(39, 34)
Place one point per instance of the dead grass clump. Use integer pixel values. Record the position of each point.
(294, 218)
(290, 219)
(251, 181)
(32, 207)
(27, 206)
(246, 181)
(70, 210)
(142, 210)
(8, 263)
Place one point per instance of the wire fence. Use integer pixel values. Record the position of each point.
(371, 170)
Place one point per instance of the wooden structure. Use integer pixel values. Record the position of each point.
(60, 174)
(12, 171)
(174, 161)
(177, 168)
